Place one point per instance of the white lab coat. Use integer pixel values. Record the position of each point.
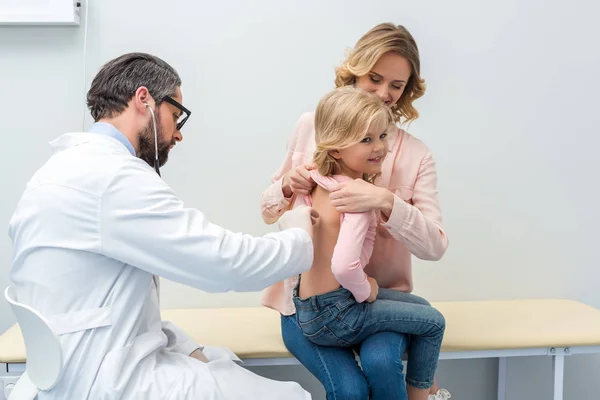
(93, 228)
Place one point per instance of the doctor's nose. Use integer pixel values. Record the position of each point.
(178, 136)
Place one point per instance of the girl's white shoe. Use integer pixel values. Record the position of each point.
(442, 394)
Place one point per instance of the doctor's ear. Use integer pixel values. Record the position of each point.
(142, 99)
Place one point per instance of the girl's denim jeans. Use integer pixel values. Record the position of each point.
(335, 319)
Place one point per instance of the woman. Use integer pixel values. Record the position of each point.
(384, 61)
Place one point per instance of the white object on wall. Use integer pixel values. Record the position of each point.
(40, 12)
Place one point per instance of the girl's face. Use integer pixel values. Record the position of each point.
(366, 156)
(387, 79)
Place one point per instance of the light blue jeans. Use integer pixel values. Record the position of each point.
(336, 319)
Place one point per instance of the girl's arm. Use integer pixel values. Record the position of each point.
(353, 251)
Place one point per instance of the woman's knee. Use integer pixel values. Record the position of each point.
(382, 366)
(381, 360)
(381, 355)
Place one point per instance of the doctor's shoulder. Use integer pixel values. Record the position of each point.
(90, 168)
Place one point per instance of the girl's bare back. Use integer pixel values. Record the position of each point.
(320, 279)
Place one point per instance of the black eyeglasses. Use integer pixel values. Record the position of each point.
(184, 110)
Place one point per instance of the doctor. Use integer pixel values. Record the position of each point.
(96, 227)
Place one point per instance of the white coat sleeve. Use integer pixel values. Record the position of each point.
(144, 224)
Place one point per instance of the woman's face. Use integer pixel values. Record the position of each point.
(387, 78)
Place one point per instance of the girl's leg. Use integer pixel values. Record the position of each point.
(417, 394)
(391, 294)
(381, 360)
(336, 368)
(396, 295)
(425, 324)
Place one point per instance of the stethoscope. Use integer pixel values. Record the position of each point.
(155, 140)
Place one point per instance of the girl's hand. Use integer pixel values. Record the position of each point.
(360, 196)
(374, 289)
(298, 181)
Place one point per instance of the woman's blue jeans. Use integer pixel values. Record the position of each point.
(381, 376)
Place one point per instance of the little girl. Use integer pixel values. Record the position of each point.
(337, 304)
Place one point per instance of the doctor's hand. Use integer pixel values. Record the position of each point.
(302, 217)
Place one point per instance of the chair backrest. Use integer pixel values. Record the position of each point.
(44, 355)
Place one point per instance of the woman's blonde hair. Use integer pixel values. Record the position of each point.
(342, 119)
(368, 50)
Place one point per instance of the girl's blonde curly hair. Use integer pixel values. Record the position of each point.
(342, 119)
(368, 50)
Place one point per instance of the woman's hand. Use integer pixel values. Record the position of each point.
(298, 181)
(360, 196)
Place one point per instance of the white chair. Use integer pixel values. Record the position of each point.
(44, 365)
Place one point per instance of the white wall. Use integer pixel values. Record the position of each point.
(511, 114)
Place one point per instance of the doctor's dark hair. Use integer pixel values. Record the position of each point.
(116, 83)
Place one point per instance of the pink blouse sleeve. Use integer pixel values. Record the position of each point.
(353, 251)
(419, 226)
